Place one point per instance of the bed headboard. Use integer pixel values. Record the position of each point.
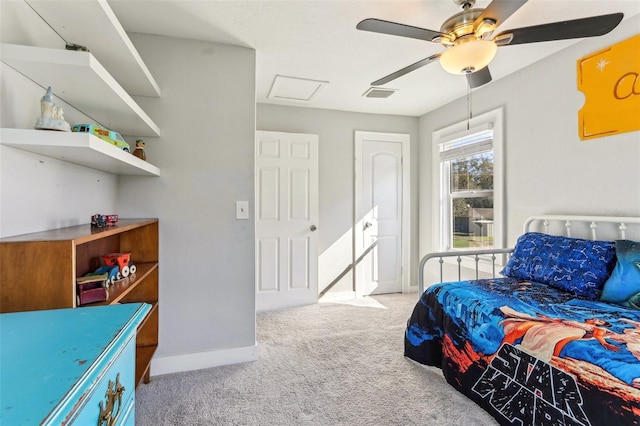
(588, 227)
(604, 228)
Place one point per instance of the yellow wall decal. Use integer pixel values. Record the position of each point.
(610, 81)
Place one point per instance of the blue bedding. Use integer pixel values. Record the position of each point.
(531, 354)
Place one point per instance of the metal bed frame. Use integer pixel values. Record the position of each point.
(545, 220)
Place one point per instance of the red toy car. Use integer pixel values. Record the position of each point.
(101, 220)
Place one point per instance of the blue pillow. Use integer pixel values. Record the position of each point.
(575, 265)
(623, 287)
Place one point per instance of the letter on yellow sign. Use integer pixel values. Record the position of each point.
(610, 81)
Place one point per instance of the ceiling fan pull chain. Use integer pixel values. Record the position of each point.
(468, 105)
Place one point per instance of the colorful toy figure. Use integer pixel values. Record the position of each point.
(110, 136)
(139, 151)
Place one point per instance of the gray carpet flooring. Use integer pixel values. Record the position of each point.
(325, 364)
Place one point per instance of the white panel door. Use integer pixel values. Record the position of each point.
(381, 213)
(286, 219)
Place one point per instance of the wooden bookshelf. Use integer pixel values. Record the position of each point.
(38, 271)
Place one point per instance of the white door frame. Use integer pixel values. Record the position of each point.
(358, 226)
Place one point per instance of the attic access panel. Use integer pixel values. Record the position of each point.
(295, 89)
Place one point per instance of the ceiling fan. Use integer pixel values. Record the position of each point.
(471, 45)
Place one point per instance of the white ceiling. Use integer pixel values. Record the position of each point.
(318, 40)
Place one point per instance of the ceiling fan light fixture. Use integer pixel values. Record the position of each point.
(485, 28)
(468, 56)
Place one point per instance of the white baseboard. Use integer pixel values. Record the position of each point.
(200, 360)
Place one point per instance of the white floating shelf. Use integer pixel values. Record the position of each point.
(78, 148)
(81, 81)
(96, 27)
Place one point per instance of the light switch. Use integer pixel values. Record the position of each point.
(242, 210)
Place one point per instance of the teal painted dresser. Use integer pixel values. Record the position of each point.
(70, 366)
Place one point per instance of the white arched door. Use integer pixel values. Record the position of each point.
(382, 213)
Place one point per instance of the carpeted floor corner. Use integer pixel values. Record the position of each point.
(325, 364)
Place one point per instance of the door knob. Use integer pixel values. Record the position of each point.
(313, 228)
(367, 225)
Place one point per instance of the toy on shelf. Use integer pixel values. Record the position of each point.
(76, 47)
(116, 267)
(113, 274)
(100, 220)
(139, 151)
(51, 115)
(122, 261)
(114, 138)
(91, 288)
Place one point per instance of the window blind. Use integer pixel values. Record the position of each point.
(467, 146)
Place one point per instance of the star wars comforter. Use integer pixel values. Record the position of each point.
(531, 354)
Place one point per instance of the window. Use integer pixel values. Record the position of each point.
(468, 183)
(466, 168)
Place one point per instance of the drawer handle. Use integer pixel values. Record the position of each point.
(113, 395)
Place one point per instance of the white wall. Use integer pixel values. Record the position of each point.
(36, 192)
(206, 157)
(336, 182)
(548, 168)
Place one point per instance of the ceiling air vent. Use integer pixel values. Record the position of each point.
(376, 92)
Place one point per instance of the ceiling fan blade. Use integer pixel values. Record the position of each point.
(406, 70)
(479, 78)
(499, 10)
(577, 28)
(393, 28)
